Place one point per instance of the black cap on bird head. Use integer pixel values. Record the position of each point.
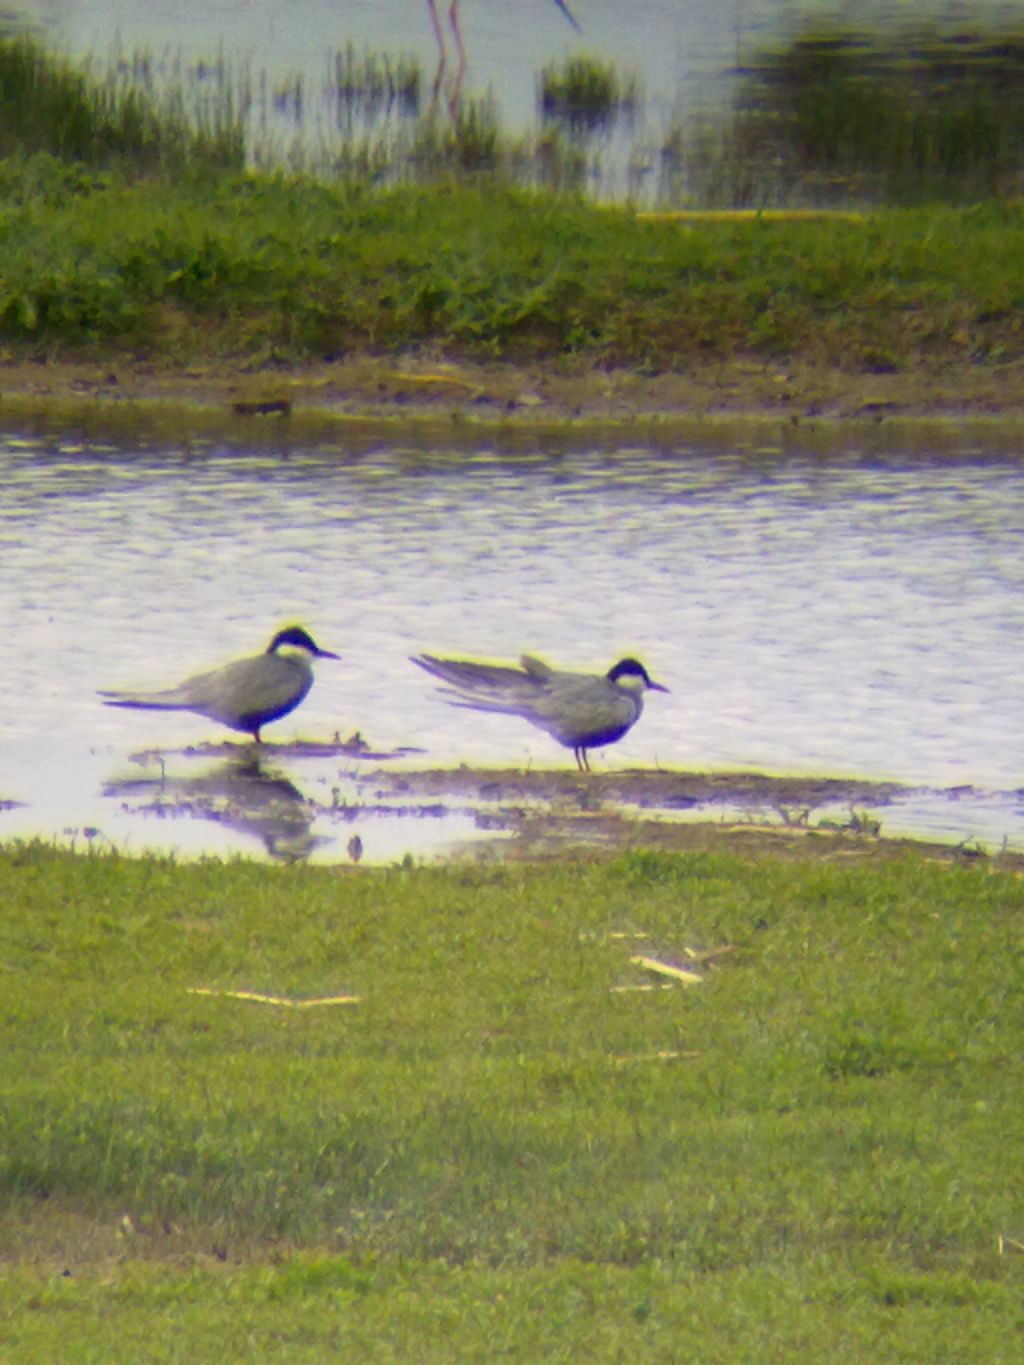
(298, 639)
(633, 668)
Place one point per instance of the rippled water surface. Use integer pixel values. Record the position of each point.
(853, 615)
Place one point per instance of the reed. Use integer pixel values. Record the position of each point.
(863, 116)
(833, 118)
(585, 93)
(48, 106)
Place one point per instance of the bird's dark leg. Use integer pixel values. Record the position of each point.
(439, 35)
(453, 19)
(565, 10)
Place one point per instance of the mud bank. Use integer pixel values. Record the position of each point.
(319, 400)
(266, 791)
(537, 814)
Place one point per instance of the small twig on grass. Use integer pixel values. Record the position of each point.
(661, 1056)
(685, 975)
(277, 999)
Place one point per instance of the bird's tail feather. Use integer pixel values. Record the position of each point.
(473, 677)
(470, 703)
(141, 702)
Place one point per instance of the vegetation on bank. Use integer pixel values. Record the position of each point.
(130, 225)
(264, 269)
(495, 1152)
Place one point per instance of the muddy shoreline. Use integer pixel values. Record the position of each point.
(518, 814)
(947, 408)
(261, 402)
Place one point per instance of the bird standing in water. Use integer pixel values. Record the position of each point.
(244, 695)
(580, 710)
(453, 20)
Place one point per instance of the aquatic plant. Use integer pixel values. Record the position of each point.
(368, 86)
(470, 141)
(876, 115)
(46, 105)
(585, 93)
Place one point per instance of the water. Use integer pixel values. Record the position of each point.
(858, 615)
(675, 45)
(684, 51)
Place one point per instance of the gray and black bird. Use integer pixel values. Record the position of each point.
(580, 710)
(244, 695)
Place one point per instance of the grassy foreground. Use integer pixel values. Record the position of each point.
(267, 270)
(811, 1155)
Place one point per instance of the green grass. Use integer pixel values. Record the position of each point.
(264, 269)
(485, 1158)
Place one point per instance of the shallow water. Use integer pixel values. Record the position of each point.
(684, 52)
(680, 48)
(857, 615)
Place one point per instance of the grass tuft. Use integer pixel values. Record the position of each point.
(585, 93)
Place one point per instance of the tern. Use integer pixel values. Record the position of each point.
(244, 695)
(580, 710)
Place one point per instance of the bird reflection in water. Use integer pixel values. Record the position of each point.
(241, 793)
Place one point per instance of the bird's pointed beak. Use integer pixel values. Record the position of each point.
(326, 654)
(657, 687)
